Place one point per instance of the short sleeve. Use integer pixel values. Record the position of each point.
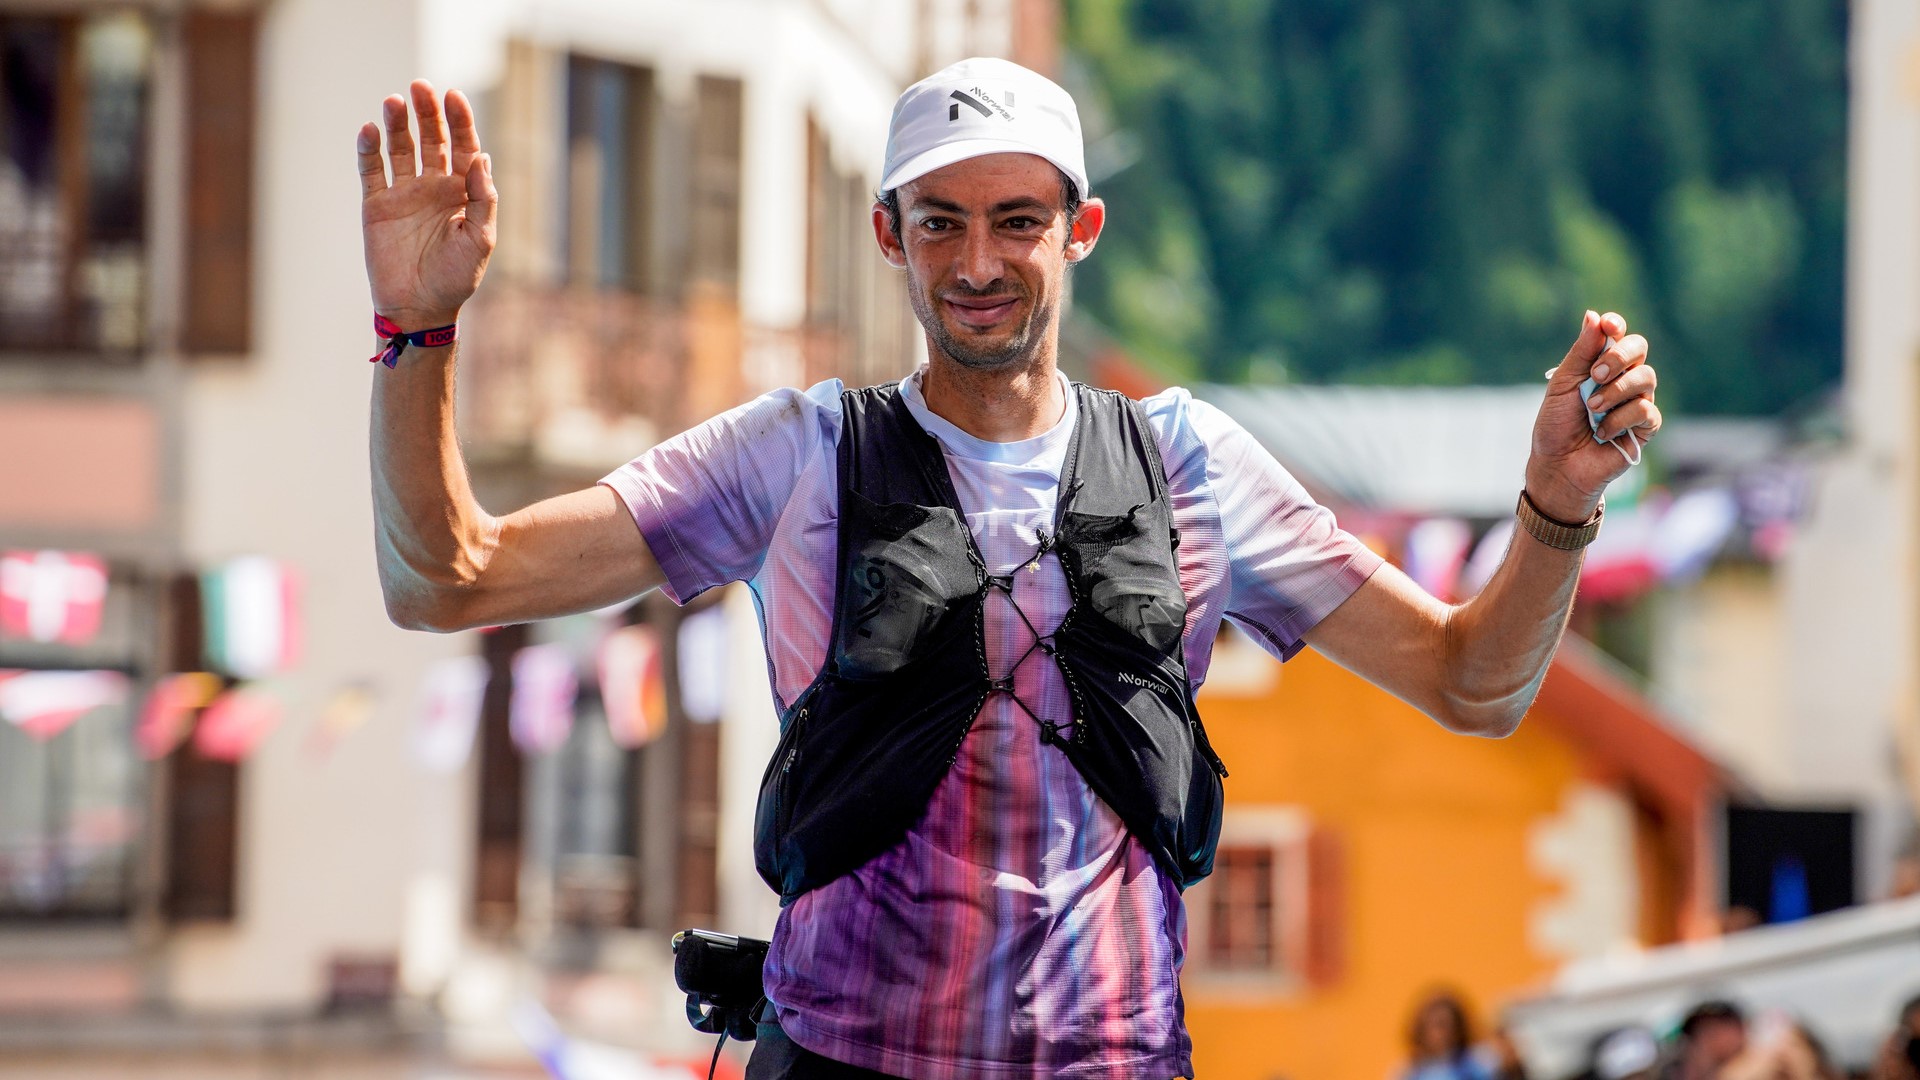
(1289, 564)
(708, 500)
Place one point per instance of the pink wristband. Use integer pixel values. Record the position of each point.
(397, 339)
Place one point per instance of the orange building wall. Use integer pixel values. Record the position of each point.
(1434, 829)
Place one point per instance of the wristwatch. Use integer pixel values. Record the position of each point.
(1558, 534)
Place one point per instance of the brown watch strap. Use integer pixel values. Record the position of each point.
(1557, 534)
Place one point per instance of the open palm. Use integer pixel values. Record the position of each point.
(429, 233)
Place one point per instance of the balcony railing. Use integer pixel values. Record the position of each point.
(575, 378)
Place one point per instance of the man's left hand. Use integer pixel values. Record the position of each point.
(1569, 469)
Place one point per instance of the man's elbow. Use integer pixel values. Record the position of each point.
(425, 606)
(1486, 720)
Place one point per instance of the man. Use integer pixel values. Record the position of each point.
(987, 595)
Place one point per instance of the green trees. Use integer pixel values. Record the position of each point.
(1432, 190)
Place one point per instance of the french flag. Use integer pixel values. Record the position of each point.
(52, 596)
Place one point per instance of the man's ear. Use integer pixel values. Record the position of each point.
(890, 248)
(1085, 231)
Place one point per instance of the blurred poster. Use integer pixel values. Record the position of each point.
(450, 700)
(1692, 532)
(1436, 552)
(540, 714)
(167, 714)
(52, 596)
(1486, 559)
(43, 703)
(703, 665)
(236, 723)
(1619, 564)
(633, 686)
(252, 610)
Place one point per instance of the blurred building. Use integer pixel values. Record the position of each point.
(1799, 671)
(1368, 856)
(183, 402)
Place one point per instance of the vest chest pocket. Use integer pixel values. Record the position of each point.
(907, 570)
(1120, 562)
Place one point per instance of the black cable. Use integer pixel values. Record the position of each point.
(716, 1054)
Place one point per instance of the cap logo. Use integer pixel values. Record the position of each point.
(983, 103)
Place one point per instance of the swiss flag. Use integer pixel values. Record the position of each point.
(51, 595)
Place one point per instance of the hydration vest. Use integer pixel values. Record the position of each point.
(864, 746)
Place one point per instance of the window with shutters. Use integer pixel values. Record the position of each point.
(220, 58)
(74, 93)
(860, 324)
(715, 243)
(1268, 919)
(72, 788)
(496, 885)
(70, 808)
(597, 833)
(610, 116)
(202, 830)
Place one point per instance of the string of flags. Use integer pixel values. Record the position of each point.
(250, 610)
(1660, 539)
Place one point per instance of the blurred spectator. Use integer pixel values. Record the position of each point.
(1782, 1049)
(1440, 1040)
(1900, 1055)
(1713, 1034)
(1630, 1053)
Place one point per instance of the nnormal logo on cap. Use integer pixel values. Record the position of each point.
(983, 104)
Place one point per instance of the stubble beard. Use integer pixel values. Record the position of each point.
(977, 354)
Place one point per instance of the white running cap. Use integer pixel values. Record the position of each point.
(982, 106)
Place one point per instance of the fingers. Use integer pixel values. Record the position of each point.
(1639, 381)
(373, 171)
(433, 128)
(466, 138)
(399, 140)
(1640, 414)
(1619, 356)
(482, 198)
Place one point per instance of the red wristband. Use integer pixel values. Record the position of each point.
(397, 339)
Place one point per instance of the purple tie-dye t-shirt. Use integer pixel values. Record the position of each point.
(1018, 930)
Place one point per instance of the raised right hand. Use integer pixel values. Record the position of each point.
(428, 234)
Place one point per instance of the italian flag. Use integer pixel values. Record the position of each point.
(251, 606)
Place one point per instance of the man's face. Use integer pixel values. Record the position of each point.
(985, 243)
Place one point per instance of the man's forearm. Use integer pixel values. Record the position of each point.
(432, 537)
(1500, 643)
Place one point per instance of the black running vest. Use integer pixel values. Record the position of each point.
(863, 747)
